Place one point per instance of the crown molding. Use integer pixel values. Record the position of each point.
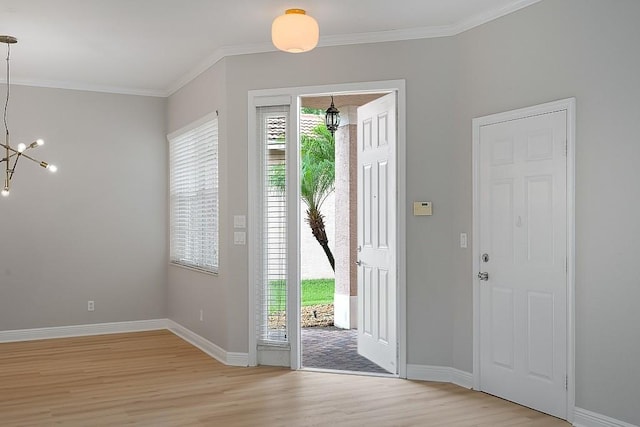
(358, 38)
(214, 58)
(490, 15)
(87, 87)
(325, 41)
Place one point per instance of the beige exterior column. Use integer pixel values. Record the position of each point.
(346, 238)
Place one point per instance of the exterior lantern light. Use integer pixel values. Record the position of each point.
(332, 118)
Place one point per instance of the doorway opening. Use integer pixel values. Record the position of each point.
(276, 221)
(330, 243)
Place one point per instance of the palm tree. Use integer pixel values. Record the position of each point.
(317, 178)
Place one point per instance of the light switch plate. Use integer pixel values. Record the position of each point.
(239, 221)
(422, 208)
(239, 238)
(463, 240)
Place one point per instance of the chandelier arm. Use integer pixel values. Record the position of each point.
(17, 153)
(15, 163)
(10, 148)
(41, 163)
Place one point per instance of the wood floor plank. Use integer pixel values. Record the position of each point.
(157, 379)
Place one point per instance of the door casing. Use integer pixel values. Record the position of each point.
(292, 95)
(568, 105)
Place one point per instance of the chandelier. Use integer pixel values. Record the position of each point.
(13, 155)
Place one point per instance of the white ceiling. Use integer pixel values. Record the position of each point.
(153, 47)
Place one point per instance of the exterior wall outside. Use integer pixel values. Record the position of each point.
(345, 300)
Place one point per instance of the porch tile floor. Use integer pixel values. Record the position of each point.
(334, 348)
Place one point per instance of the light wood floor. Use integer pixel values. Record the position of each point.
(157, 379)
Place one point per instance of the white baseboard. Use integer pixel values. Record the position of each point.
(442, 374)
(228, 358)
(584, 418)
(213, 350)
(82, 330)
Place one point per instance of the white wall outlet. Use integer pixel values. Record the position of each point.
(91, 306)
(201, 315)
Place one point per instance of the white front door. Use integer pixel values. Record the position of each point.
(522, 208)
(377, 198)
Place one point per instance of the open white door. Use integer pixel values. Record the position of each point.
(522, 208)
(377, 199)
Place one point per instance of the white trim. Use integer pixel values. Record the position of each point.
(584, 418)
(357, 38)
(483, 18)
(82, 330)
(213, 350)
(255, 98)
(293, 235)
(218, 353)
(356, 373)
(88, 87)
(325, 41)
(252, 226)
(443, 374)
(568, 105)
(193, 125)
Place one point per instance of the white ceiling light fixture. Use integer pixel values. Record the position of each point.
(15, 153)
(295, 31)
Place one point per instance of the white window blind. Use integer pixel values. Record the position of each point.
(193, 187)
(272, 327)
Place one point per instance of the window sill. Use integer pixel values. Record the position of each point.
(197, 270)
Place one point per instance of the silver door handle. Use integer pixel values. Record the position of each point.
(483, 276)
(358, 263)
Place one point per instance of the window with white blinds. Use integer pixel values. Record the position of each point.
(272, 129)
(193, 188)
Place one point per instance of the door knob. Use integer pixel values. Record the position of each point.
(483, 276)
(358, 263)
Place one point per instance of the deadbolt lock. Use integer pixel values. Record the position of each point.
(485, 257)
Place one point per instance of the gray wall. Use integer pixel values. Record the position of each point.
(96, 229)
(552, 50)
(429, 86)
(548, 51)
(191, 291)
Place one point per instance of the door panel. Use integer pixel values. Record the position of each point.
(523, 229)
(377, 288)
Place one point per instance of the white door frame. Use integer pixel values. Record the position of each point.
(293, 303)
(568, 105)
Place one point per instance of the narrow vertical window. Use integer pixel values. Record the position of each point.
(193, 188)
(272, 130)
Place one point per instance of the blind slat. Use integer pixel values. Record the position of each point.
(271, 309)
(193, 188)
